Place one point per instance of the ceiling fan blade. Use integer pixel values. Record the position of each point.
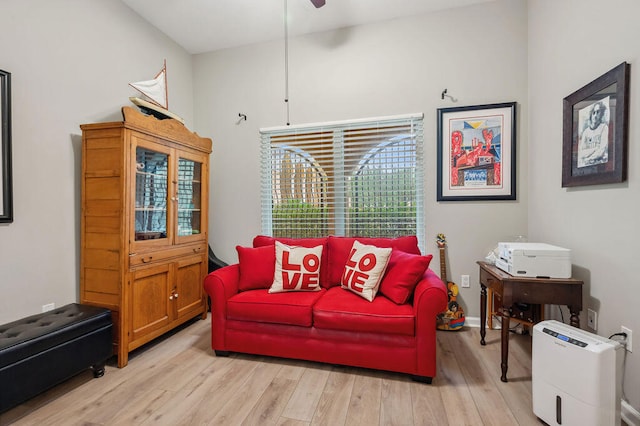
(318, 3)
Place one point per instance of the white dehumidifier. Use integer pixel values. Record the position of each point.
(576, 376)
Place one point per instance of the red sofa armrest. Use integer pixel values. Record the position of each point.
(430, 295)
(429, 299)
(220, 285)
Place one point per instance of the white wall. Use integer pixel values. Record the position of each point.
(71, 62)
(571, 43)
(478, 53)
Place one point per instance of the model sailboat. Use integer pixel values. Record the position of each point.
(155, 91)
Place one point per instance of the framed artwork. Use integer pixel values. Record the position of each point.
(6, 198)
(477, 152)
(595, 131)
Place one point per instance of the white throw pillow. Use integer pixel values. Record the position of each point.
(364, 269)
(297, 268)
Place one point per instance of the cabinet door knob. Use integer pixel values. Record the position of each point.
(175, 295)
(171, 297)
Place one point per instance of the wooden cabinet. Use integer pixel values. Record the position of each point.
(144, 225)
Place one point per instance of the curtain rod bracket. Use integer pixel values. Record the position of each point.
(243, 117)
(444, 93)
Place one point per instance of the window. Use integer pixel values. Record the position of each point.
(356, 178)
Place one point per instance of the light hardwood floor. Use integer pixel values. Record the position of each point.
(178, 380)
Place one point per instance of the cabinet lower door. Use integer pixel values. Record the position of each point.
(190, 274)
(150, 303)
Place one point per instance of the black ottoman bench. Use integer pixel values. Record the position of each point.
(42, 350)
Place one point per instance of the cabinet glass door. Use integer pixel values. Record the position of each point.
(189, 197)
(151, 194)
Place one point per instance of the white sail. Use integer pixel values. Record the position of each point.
(156, 89)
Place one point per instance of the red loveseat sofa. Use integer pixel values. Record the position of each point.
(332, 325)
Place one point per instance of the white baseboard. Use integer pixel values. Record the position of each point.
(475, 322)
(630, 415)
(472, 322)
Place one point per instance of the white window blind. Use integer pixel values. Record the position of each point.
(353, 178)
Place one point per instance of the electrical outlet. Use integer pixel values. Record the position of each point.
(464, 281)
(592, 319)
(629, 341)
(48, 307)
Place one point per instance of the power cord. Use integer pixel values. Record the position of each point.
(622, 333)
(624, 359)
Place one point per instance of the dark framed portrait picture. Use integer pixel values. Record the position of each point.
(595, 131)
(477, 153)
(6, 199)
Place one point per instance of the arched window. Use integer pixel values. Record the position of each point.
(298, 193)
(382, 190)
(355, 178)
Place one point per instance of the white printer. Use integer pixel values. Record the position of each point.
(534, 260)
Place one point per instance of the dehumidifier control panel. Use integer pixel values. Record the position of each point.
(564, 338)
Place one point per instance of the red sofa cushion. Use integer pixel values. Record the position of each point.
(340, 309)
(403, 273)
(257, 267)
(293, 308)
(263, 240)
(340, 247)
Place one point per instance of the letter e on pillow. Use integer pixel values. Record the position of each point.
(364, 269)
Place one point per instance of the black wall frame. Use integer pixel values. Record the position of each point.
(6, 187)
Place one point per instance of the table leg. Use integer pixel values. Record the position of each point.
(483, 313)
(574, 320)
(490, 309)
(505, 343)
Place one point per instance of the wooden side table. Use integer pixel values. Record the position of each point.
(526, 290)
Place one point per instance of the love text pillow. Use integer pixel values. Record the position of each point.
(364, 269)
(403, 273)
(339, 248)
(296, 268)
(257, 266)
(263, 240)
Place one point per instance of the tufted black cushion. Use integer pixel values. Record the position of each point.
(43, 350)
(37, 333)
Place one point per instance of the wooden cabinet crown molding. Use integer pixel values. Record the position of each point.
(170, 129)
